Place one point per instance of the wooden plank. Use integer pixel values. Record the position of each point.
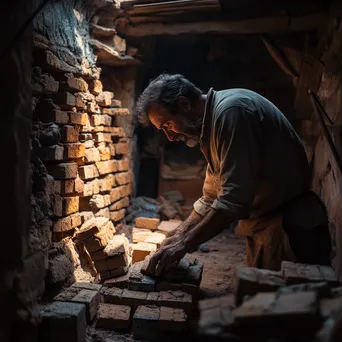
(250, 26)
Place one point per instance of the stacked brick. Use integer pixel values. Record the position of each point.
(148, 234)
(81, 147)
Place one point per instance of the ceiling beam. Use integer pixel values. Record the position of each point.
(273, 24)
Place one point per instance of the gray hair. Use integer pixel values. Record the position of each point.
(164, 90)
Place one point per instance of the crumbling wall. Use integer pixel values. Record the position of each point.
(327, 181)
(80, 168)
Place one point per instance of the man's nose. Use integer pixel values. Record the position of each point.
(170, 135)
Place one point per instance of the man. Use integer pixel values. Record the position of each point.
(257, 173)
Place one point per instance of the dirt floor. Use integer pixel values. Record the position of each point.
(226, 252)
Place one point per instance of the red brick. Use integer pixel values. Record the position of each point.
(119, 282)
(126, 190)
(107, 183)
(93, 227)
(118, 245)
(104, 152)
(98, 241)
(91, 187)
(63, 206)
(118, 111)
(83, 137)
(121, 148)
(64, 100)
(140, 234)
(63, 170)
(104, 212)
(111, 295)
(167, 227)
(79, 102)
(105, 167)
(99, 201)
(86, 215)
(117, 215)
(123, 165)
(101, 119)
(92, 155)
(115, 194)
(102, 137)
(74, 84)
(113, 317)
(111, 149)
(88, 171)
(156, 238)
(123, 203)
(95, 87)
(93, 107)
(119, 271)
(91, 299)
(51, 62)
(141, 250)
(122, 178)
(69, 134)
(74, 150)
(51, 153)
(77, 118)
(104, 99)
(62, 225)
(146, 222)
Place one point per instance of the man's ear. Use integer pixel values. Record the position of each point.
(183, 104)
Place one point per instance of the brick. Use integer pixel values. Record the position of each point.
(63, 170)
(118, 261)
(43, 82)
(92, 155)
(117, 132)
(123, 165)
(51, 153)
(91, 299)
(156, 238)
(87, 286)
(101, 266)
(139, 281)
(86, 215)
(119, 282)
(77, 118)
(140, 234)
(75, 220)
(69, 134)
(74, 84)
(68, 294)
(88, 171)
(98, 255)
(74, 150)
(115, 194)
(101, 120)
(121, 148)
(111, 149)
(167, 286)
(248, 281)
(104, 212)
(62, 225)
(118, 245)
(93, 227)
(99, 201)
(167, 227)
(112, 295)
(113, 317)
(122, 178)
(117, 111)
(93, 107)
(146, 222)
(302, 273)
(89, 143)
(118, 215)
(63, 206)
(123, 203)
(116, 103)
(281, 313)
(141, 250)
(79, 103)
(99, 240)
(152, 322)
(107, 183)
(119, 271)
(105, 275)
(104, 99)
(63, 321)
(49, 61)
(47, 111)
(105, 167)
(91, 188)
(85, 137)
(102, 137)
(174, 299)
(125, 190)
(104, 152)
(64, 100)
(95, 87)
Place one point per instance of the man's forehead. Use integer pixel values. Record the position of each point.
(157, 116)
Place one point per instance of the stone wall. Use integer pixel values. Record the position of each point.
(327, 181)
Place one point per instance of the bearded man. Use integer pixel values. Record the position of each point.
(257, 174)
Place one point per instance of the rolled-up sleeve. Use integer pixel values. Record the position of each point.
(203, 204)
(237, 134)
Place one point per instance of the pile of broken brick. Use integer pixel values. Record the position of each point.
(298, 303)
(147, 306)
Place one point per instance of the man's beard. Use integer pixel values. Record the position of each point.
(191, 142)
(194, 128)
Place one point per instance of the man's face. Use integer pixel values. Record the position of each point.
(176, 127)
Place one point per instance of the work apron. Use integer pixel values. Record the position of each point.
(267, 243)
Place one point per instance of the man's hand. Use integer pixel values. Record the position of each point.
(166, 256)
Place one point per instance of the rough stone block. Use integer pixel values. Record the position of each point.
(140, 234)
(147, 223)
(74, 150)
(167, 227)
(92, 155)
(248, 281)
(141, 250)
(63, 170)
(63, 321)
(122, 178)
(88, 171)
(118, 215)
(122, 203)
(121, 148)
(152, 322)
(113, 317)
(64, 100)
(104, 99)
(95, 87)
(51, 153)
(296, 273)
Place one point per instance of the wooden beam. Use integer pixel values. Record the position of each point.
(249, 26)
